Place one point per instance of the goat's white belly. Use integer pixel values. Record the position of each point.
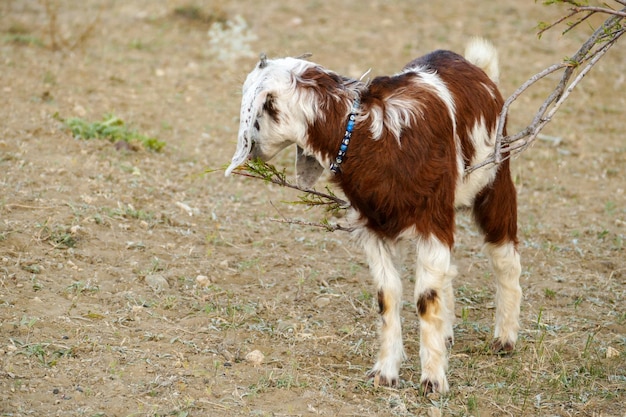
(468, 186)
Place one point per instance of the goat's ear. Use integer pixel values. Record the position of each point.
(251, 108)
(308, 170)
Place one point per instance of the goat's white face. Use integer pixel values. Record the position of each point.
(273, 112)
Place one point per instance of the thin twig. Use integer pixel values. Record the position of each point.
(595, 9)
(280, 180)
(556, 23)
(52, 23)
(22, 206)
(329, 227)
(261, 170)
(578, 22)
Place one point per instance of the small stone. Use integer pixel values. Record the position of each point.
(80, 110)
(157, 282)
(611, 352)
(191, 211)
(87, 199)
(203, 280)
(285, 326)
(255, 357)
(322, 302)
(434, 412)
(228, 356)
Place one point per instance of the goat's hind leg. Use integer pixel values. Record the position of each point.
(505, 263)
(495, 210)
(380, 256)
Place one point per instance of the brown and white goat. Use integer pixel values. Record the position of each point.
(413, 135)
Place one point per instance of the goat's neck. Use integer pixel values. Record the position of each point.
(327, 131)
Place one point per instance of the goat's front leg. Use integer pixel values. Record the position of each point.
(389, 290)
(433, 290)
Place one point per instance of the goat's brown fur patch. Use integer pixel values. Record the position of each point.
(426, 301)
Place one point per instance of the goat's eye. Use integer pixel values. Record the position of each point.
(256, 125)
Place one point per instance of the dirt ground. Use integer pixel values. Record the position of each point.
(134, 283)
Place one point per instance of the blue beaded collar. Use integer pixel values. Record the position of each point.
(334, 166)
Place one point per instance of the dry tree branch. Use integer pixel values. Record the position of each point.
(267, 172)
(578, 7)
(51, 11)
(56, 40)
(329, 227)
(324, 224)
(595, 9)
(604, 38)
(564, 95)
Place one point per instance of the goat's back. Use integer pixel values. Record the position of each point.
(420, 130)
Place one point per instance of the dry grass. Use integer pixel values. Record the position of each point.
(133, 283)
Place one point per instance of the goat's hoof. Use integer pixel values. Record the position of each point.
(429, 386)
(502, 348)
(383, 380)
(449, 342)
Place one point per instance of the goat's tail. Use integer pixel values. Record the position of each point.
(484, 55)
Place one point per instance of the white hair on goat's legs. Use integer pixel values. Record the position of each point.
(433, 291)
(505, 263)
(448, 292)
(380, 256)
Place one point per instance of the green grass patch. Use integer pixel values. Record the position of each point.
(81, 287)
(129, 212)
(45, 353)
(60, 236)
(113, 129)
(193, 13)
(23, 39)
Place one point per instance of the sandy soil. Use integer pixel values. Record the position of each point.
(133, 282)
